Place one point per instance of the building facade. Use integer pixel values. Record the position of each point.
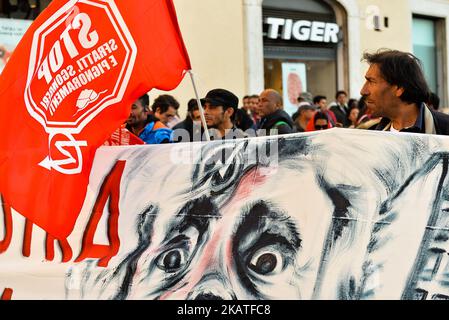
(257, 41)
(297, 45)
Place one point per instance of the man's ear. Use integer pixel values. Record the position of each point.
(230, 112)
(398, 91)
(278, 104)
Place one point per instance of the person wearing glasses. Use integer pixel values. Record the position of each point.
(319, 121)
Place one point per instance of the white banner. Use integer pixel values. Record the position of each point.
(339, 214)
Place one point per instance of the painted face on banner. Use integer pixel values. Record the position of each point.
(297, 227)
(253, 247)
(250, 243)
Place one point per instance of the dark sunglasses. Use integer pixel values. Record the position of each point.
(320, 127)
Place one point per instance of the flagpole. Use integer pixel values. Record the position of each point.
(200, 106)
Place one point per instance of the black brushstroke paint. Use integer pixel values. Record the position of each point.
(423, 254)
(196, 213)
(145, 226)
(203, 292)
(289, 148)
(257, 221)
(340, 221)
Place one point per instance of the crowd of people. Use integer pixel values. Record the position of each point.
(395, 97)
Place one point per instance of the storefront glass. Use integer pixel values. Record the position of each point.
(318, 77)
(425, 48)
(300, 49)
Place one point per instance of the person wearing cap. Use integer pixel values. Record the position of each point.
(274, 120)
(302, 117)
(220, 107)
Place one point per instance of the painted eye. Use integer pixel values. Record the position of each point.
(172, 260)
(266, 262)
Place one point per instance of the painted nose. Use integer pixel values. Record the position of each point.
(208, 296)
(212, 287)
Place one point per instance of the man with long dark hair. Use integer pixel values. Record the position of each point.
(396, 90)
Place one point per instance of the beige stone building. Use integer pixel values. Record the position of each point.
(247, 45)
(300, 45)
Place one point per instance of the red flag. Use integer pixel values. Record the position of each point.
(68, 85)
(123, 137)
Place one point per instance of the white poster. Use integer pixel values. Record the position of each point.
(294, 82)
(11, 31)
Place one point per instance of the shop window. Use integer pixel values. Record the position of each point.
(425, 48)
(301, 40)
(293, 76)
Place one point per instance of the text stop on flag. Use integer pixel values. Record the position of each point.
(68, 86)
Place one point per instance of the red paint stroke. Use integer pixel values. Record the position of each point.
(4, 244)
(109, 190)
(27, 235)
(7, 294)
(250, 181)
(66, 250)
